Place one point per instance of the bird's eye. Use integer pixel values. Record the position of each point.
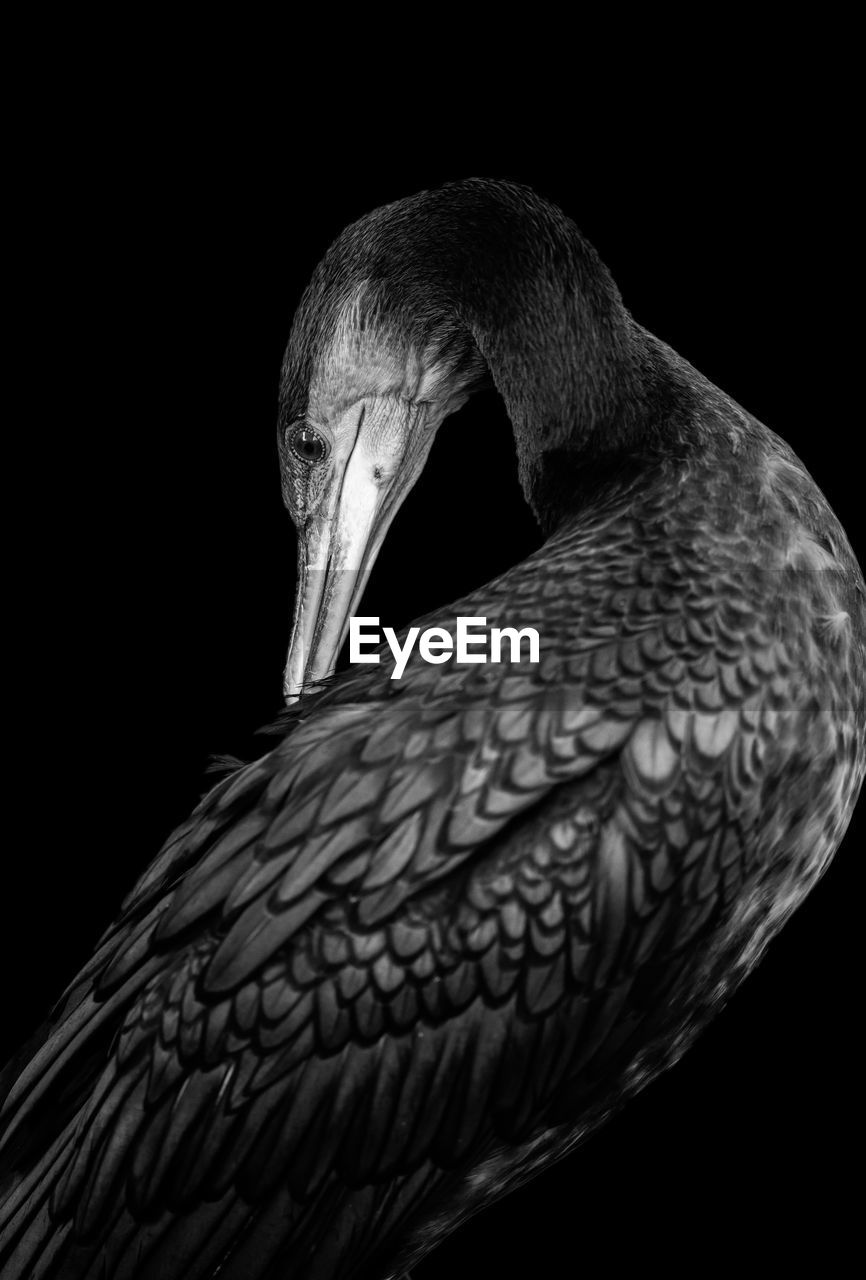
(308, 445)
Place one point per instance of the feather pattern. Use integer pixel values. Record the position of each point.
(429, 939)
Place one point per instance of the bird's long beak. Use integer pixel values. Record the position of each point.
(338, 544)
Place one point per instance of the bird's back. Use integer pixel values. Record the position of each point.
(431, 938)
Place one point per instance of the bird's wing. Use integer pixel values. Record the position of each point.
(382, 944)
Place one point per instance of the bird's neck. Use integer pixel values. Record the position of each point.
(569, 364)
(547, 319)
(488, 269)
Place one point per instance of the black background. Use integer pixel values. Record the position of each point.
(172, 245)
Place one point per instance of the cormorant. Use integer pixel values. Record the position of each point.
(449, 922)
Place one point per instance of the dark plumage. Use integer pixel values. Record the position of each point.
(447, 924)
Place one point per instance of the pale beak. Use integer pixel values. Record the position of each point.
(339, 542)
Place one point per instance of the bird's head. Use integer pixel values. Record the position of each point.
(372, 369)
(413, 308)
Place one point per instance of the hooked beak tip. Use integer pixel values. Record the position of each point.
(337, 549)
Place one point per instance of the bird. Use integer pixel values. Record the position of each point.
(449, 923)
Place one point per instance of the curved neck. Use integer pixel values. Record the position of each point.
(484, 267)
(545, 315)
(561, 350)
